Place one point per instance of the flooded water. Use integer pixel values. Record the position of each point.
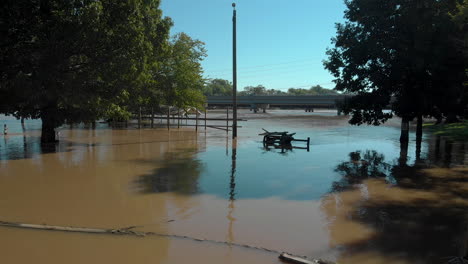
(354, 197)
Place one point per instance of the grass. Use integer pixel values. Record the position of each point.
(456, 131)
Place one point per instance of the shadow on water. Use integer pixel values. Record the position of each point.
(417, 213)
(177, 172)
(180, 172)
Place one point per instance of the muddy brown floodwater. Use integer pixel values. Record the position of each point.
(354, 197)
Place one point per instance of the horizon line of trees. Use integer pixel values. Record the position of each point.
(221, 87)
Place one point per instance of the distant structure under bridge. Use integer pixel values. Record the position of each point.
(263, 102)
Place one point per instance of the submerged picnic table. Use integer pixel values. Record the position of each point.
(281, 138)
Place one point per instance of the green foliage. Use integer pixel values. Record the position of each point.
(456, 131)
(398, 53)
(261, 90)
(217, 87)
(116, 113)
(255, 90)
(77, 61)
(181, 72)
(314, 90)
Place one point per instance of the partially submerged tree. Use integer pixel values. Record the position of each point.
(398, 54)
(75, 61)
(181, 73)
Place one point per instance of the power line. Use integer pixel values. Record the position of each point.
(264, 65)
(305, 66)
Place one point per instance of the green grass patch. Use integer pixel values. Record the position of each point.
(456, 131)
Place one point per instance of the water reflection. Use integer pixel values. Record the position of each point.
(177, 172)
(232, 183)
(396, 212)
(232, 193)
(381, 203)
(282, 149)
(361, 166)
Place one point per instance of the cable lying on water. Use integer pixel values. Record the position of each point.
(128, 231)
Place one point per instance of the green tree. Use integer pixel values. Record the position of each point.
(314, 90)
(217, 87)
(75, 60)
(255, 90)
(397, 53)
(319, 90)
(297, 91)
(181, 73)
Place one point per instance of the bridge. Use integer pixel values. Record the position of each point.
(307, 102)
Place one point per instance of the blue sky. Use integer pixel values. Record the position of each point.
(280, 44)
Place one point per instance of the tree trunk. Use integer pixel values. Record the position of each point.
(419, 134)
(48, 129)
(437, 149)
(419, 131)
(451, 118)
(403, 154)
(404, 137)
(418, 150)
(448, 154)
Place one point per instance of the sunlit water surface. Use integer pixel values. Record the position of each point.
(354, 197)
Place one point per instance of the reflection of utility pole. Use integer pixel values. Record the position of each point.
(232, 193)
(227, 146)
(232, 183)
(234, 74)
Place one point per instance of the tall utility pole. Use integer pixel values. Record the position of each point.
(234, 74)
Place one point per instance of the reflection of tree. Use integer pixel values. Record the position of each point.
(179, 173)
(360, 166)
(422, 219)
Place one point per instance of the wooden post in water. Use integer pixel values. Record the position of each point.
(227, 119)
(168, 113)
(205, 118)
(139, 117)
(178, 118)
(196, 119)
(152, 117)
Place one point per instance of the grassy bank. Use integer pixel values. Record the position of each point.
(456, 131)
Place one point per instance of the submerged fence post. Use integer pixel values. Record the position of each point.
(152, 117)
(139, 117)
(196, 120)
(227, 119)
(205, 118)
(168, 112)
